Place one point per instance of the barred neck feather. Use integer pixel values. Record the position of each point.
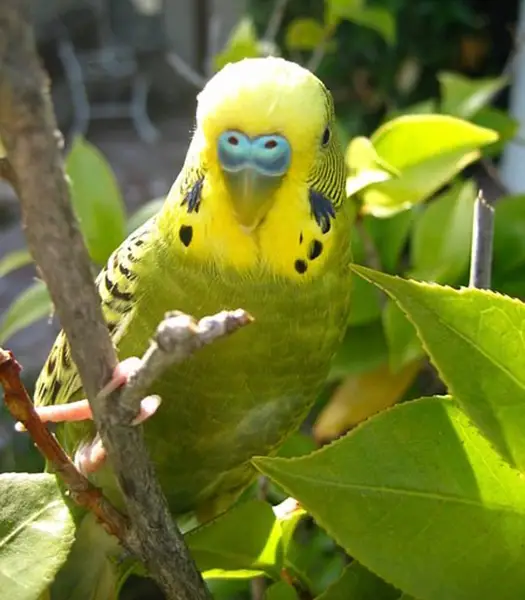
(289, 243)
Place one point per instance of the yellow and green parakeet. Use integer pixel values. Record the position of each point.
(256, 219)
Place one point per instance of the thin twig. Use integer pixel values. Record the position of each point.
(482, 241)
(275, 20)
(83, 492)
(27, 130)
(185, 70)
(176, 338)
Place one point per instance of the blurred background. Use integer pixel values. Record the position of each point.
(124, 75)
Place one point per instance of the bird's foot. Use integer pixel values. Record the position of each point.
(91, 456)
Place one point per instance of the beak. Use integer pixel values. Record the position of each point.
(251, 193)
(253, 169)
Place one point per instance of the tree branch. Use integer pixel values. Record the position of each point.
(482, 241)
(83, 492)
(27, 130)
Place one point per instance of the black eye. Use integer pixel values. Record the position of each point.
(326, 136)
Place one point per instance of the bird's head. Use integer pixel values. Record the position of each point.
(261, 122)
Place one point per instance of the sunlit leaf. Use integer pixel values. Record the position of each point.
(97, 200)
(428, 150)
(475, 340)
(441, 236)
(304, 34)
(414, 481)
(463, 97)
(15, 260)
(36, 533)
(33, 304)
(360, 396)
(244, 542)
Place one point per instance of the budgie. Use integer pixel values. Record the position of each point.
(256, 219)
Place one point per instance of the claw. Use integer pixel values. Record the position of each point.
(91, 456)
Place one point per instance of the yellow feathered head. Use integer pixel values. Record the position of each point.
(265, 121)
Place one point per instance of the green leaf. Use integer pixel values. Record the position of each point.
(425, 107)
(376, 18)
(463, 97)
(474, 338)
(353, 357)
(428, 150)
(365, 306)
(389, 237)
(97, 200)
(15, 260)
(358, 583)
(403, 343)
(244, 540)
(441, 236)
(509, 233)
(280, 591)
(417, 495)
(243, 43)
(145, 212)
(33, 304)
(337, 10)
(2, 150)
(36, 533)
(304, 34)
(501, 122)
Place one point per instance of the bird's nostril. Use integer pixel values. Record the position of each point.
(270, 144)
(233, 140)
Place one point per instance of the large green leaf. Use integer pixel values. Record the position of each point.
(475, 339)
(509, 234)
(463, 97)
(97, 200)
(441, 236)
(358, 583)
(15, 260)
(417, 495)
(403, 343)
(244, 542)
(427, 150)
(33, 304)
(36, 533)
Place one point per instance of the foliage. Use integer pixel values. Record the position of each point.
(423, 499)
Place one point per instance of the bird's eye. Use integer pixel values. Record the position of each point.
(326, 136)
